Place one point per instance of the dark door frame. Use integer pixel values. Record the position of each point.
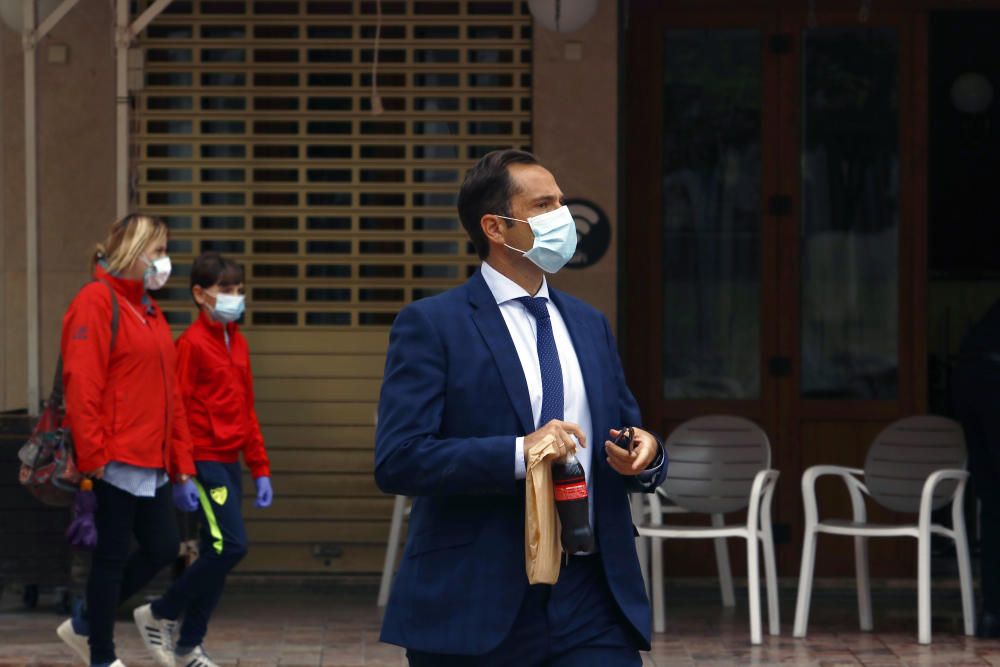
(640, 162)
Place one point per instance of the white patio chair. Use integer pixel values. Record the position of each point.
(915, 465)
(640, 515)
(719, 464)
(400, 512)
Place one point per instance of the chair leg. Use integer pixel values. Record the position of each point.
(641, 543)
(642, 550)
(771, 581)
(864, 584)
(753, 588)
(659, 604)
(965, 577)
(722, 563)
(805, 584)
(391, 549)
(924, 587)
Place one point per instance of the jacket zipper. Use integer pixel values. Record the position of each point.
(167, 399)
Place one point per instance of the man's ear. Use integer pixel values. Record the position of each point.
(493, 227)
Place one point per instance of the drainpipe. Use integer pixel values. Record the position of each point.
(31, 207)
(122, 42)
(30, 39)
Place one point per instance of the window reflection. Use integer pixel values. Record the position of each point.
(850, 214)
(711, 209)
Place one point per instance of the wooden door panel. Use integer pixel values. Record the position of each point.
(646, 161)
(838, 429)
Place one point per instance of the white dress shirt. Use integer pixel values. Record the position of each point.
(522, 327)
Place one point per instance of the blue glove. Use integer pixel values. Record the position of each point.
(186, 496)
(264, 493)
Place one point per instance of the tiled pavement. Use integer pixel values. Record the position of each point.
(323, 628)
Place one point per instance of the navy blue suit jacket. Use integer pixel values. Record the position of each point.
(453, 400)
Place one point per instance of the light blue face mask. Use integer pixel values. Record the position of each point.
(228, 307)
(555, 239)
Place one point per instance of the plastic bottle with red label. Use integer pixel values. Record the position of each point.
(569, 485)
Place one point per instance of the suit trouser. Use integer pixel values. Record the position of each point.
(575, 623)
(977, 401)
(115, 574)
(196, 592)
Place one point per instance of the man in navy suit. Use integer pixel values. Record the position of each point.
(976, 394)
(475, 377)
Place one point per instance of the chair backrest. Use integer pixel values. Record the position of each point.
(905, 453)
(713, 461)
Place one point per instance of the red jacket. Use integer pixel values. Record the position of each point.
(218, 393)
(123, 404)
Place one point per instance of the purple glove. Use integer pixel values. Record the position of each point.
(186, 496)
(82, 533)
(264, 493)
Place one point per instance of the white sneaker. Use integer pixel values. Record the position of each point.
(78, 643)
(196, 658)
(117, 663)
(157, 634)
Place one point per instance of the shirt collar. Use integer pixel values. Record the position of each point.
(504, 289)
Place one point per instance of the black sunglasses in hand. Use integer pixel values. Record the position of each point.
(626, 434)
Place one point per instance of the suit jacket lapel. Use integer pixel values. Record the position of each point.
(487, 318)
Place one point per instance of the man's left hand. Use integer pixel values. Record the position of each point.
(630, 463)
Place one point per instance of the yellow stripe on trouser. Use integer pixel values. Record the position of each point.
(213, 525)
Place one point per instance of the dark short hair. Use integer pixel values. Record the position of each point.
(488, 188)
(211, 268)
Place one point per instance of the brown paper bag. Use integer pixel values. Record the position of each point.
(542, 548)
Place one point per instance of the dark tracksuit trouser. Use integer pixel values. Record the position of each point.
(223, 544)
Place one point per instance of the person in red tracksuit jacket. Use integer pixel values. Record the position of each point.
(124, 410)
(214, 376)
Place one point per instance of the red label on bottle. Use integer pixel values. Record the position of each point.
(571, 491)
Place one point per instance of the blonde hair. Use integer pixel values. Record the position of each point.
(127, 239)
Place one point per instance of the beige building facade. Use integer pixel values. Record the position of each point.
(253, 135)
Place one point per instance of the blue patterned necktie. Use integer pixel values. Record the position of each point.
(548, 360)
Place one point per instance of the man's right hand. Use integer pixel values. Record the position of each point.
(563, 432)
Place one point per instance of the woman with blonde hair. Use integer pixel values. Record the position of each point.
(129, 431)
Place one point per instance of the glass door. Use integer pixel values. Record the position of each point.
(711, 224)
(846, 254)
(701, 266)
(701, 159)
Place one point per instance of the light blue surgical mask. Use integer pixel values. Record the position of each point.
(555, 239)
(228, 307)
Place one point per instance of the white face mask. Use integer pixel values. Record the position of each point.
(555, 239)
(157, 273)
(228, 307)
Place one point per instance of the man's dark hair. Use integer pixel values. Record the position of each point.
(488, 188)
(211, 268)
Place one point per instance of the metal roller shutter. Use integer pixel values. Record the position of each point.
(255, 138)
